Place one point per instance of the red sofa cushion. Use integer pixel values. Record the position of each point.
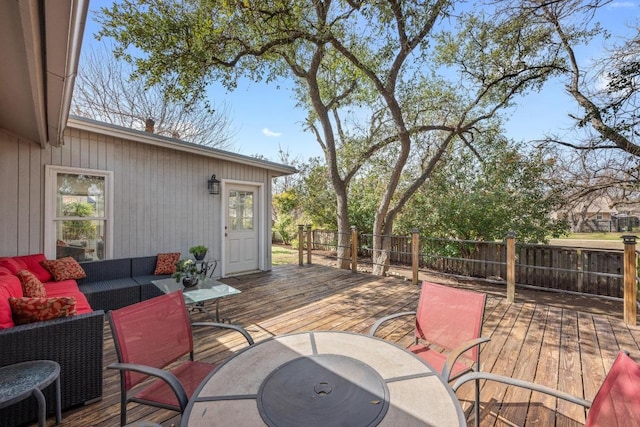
(33, 265)
(13, 264)
(10, 287)
(69, 288)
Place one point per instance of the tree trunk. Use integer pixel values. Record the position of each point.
(344, 230)
(382, 228)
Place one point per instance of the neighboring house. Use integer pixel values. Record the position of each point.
(599, 214)
(73, 186)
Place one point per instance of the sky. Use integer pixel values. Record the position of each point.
(264, 117)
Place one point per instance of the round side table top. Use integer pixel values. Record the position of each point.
(17, 381)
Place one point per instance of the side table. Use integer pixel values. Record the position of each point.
(21, 380)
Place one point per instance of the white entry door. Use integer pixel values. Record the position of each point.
(241, 228)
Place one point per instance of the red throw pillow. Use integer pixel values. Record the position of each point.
(29, 310)
(64, 269)
(166, 263)
(31, 286)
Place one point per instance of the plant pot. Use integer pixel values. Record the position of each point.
(200, 257)
(189, 282)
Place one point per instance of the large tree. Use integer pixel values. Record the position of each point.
(107, 90)
(417, 76)
(603, 159)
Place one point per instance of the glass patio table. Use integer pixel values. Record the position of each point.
(207, 289)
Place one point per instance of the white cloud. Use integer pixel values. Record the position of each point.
(621, 4)
(268, 132)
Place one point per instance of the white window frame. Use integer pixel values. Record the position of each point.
(50, 183)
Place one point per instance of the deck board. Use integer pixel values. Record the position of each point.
(555, 346)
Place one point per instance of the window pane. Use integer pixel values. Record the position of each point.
(80, 239)
(80, 196)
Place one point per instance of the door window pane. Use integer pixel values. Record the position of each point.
(241, 210)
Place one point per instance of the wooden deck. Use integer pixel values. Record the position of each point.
(552, 345)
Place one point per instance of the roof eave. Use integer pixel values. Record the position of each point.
(81, 123)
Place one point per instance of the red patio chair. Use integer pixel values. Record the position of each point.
(148, 337)
(451, 319)
(617, 402)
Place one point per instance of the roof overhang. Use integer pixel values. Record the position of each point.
(40, 45)
(81, 123)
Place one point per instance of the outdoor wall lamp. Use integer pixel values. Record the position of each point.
(213, 185)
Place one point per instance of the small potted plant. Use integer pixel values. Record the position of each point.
(186, 270)
(199, 252)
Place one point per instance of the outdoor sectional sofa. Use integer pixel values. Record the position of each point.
(116, 283)
(75, 342)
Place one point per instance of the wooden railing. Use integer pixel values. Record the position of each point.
(582, 270)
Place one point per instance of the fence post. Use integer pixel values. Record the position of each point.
(308, 243)
(300, 244)
(415, 254)
(579, 268)
(354, 249)
(511, 266)
(630, 281)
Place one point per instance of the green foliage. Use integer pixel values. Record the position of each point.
(471, 200)
(363, 201)
(198, 250)
(317, 197)
(186, 268)
(286, 226)
(285, 202)
(77, 229)
(286, 215)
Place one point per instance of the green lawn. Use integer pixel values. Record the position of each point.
(283, 255)
(598, 236)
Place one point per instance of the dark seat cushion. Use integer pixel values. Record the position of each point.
(112, 294)
(109, 269)
(143, 266)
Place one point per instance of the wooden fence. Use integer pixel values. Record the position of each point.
(583, 270)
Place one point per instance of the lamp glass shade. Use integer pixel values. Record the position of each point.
(214, 185)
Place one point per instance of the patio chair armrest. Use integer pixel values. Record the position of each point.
(380, 321)
(457, 352)
(520, 383)
(162, 374)
(236, 328)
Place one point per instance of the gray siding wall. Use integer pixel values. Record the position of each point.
(161, 202)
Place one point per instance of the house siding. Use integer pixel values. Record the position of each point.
(161, 202)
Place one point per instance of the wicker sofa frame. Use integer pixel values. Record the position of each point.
(115, 283)
(75, 342)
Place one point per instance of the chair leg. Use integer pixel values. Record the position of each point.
(123, 404)
(476, 405)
